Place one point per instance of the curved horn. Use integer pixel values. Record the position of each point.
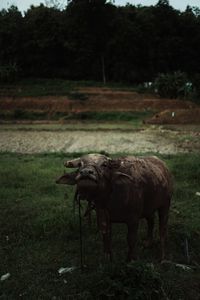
(74, 163)
(123, 174)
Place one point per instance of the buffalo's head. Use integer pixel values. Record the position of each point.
(88, 173)
(94, 158)
(91, 179)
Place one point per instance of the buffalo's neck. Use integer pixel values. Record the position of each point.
(101, 198)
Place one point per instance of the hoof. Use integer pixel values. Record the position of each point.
(107, 257)
(131, 258)
(162, 260)
(131, 261)
(148, 243)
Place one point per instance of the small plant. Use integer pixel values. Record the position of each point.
(146, 87)
(196, 90)
(132, 281)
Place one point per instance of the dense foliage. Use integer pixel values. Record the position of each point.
(94, 39)
(173, 85)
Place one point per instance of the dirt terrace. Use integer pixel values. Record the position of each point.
(94, 100)
(151, 139)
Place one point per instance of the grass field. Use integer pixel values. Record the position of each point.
(40, 234)
(134, 118)
(46, 87)
(75, 125)
(39, 87)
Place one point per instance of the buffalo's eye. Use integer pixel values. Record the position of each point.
(104, 165)
(90, 172)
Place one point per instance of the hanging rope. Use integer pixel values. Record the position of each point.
(80, 233)
(75, 202)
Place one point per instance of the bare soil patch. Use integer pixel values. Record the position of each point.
(148, 140)
(177, 116)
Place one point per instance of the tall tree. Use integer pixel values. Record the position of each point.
(90, 23)
(42, 40)
(10, 35)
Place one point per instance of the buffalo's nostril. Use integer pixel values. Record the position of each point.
(86, 172)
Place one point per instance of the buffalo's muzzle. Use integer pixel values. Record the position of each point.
(86, 174)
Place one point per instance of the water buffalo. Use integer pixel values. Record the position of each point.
(125, 190)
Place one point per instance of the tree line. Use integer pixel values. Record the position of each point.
(96, 40)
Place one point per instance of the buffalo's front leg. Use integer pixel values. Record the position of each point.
(88, 214)
(132, 240)
(104, 225)
(107, 245)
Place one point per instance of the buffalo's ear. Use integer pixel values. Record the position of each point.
(68, 178)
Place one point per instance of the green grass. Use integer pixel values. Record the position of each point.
(136, 116)
(132, 118)
(38, 87)
(53, 87)
(74, 125)
(40, 234)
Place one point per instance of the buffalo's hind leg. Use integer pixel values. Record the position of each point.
(163, 220)
(107, 245)
(132, 240)
(150, 223)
